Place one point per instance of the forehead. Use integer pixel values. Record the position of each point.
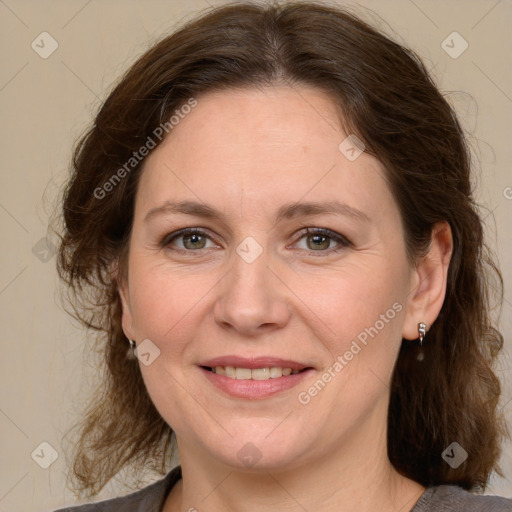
(275, 144)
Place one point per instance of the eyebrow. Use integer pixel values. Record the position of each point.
(287, 211)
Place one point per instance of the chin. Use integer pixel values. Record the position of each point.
(261, 451)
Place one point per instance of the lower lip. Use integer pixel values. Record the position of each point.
(253, 389)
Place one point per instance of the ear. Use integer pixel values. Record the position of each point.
(428, 283)
(124, 293)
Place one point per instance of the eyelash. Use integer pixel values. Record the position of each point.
(340, 239)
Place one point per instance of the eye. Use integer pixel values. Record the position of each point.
(188, 239)
(321, 240)
(317, 240)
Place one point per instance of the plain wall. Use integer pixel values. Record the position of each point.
(47, 103)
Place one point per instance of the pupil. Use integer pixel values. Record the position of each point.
(323, 241)
(193, 240)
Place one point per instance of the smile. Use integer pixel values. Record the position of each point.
(254, 383)
(238, 373)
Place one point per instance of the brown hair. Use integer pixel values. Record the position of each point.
(390, 102)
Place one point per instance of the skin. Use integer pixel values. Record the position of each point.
(246, 153)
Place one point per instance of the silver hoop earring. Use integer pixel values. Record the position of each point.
(422, 330)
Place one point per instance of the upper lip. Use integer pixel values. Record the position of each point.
(254, 362)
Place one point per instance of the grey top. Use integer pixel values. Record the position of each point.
(440, 498)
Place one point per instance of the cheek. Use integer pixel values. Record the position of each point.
(355, 298)
(166, 306)
(359, 322)
(359, 316)
(165, 301)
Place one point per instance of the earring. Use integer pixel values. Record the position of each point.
(422, 330)
(130, 354)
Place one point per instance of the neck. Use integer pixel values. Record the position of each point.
(303, 490)
(343, 480)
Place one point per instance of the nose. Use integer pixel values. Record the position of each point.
(252, 299)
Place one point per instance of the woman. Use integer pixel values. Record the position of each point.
(274, 206)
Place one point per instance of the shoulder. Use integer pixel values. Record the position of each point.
(451, 498)
(147, 499)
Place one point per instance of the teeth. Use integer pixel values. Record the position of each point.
(260, 373)
(243, 373)
(254, 374)
(276, 372)
(229, 371)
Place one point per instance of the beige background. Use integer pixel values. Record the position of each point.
(46, 103)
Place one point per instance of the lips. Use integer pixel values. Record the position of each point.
(254, 363)
(254, 378)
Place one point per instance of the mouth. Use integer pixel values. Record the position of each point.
(254, 378)
(240, 373)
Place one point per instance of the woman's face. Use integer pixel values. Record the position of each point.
(248, 287)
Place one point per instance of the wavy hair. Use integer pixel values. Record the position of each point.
(388, 99)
